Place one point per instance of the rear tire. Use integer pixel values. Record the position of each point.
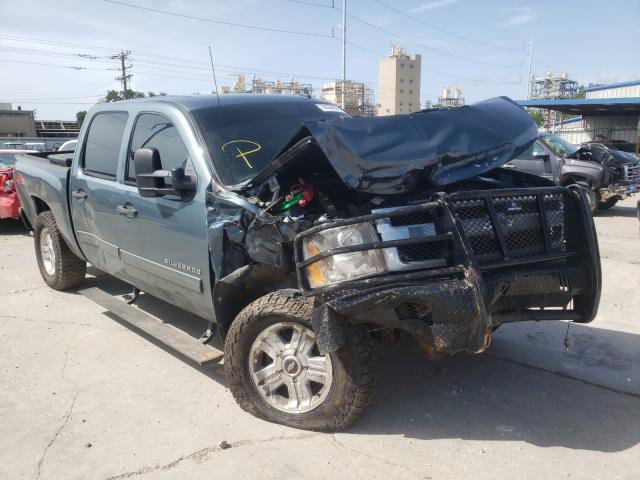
(60, 267)
(611, 202)
(344, 391)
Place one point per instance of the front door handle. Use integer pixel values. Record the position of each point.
(80, 194)
(128, 210)
(509, 165)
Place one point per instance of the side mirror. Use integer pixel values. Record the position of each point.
(153, 181)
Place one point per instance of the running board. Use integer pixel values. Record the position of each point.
(164, 333)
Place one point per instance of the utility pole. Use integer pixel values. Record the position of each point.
(344, 49)
(529, 79)
(125, 77)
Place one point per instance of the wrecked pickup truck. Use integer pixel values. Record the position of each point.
(605, 171)
(302, 234)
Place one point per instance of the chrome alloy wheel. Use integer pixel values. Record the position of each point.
(47, 253)
(288, 370)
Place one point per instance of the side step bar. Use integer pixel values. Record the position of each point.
(164, 333)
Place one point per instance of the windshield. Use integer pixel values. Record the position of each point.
(559, 145)
(244, 139)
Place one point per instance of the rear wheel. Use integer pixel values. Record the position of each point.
(609, 203)
(276, 372)
(60, 267)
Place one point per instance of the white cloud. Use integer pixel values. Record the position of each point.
(433, 4)
(520, 16)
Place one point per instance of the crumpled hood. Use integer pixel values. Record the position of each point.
(617, 158)
(401, 153)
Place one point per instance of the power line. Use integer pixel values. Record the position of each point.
(72, 67)
(187, 63)
(445, 74)
(220, 22)
(441, 52)
(446, 32)
(54, 99)
(406, 39)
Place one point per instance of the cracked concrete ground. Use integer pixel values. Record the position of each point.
(82, 397)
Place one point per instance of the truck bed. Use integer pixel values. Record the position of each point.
(44, 183)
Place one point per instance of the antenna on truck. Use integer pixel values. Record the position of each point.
(213, 70)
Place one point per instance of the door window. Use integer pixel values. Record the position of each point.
(529, 153)
(103, 143)
(156, 131)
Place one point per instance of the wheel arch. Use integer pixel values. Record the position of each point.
(244, 285)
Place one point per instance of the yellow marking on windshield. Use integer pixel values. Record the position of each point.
(243, 153)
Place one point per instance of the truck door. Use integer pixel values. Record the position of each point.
(534, 160)
(167, 250)
(93, 190)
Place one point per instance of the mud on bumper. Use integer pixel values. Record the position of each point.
(509, 255)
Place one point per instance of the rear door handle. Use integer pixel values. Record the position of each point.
(128, 210)
(80, 194)
(509, 165)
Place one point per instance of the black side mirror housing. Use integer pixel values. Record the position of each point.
(153, 181)
(541, 156)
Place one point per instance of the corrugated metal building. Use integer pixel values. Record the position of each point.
(608, 112)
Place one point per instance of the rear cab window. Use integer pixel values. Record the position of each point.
(102, 145)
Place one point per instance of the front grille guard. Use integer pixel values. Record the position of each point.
(444, 207)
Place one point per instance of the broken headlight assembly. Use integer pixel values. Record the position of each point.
(341, 267)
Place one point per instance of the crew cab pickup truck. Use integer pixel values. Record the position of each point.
(607, 173)
(302, 234)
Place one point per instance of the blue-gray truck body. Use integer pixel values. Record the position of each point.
(509, 246)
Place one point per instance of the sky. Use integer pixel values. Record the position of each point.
(482, 46)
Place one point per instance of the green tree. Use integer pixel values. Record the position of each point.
(80, 117)
(537, 116)
(116, 95)
(159, 94)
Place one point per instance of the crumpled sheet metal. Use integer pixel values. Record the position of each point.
(398, 154)
(240, 232)
(457, 319)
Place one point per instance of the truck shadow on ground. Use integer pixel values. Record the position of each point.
(618, 211)
(472, 397)
(9, 226)
(488, 398)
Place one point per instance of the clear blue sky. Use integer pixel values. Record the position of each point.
(592, 41)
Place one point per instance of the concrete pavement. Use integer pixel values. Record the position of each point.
(82, 397)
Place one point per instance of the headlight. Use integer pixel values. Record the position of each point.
(343, 266)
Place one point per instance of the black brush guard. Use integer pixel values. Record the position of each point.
(521, 254)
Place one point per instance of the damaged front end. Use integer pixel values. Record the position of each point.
(408, 223)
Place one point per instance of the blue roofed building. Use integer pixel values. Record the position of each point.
(608, 112)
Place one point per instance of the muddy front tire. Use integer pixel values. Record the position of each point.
(275, 371)
(60, 267)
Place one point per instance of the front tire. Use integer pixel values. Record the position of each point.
(59, 266)
(275, 371)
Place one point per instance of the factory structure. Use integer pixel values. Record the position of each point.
(358, 97)
(399, 82)
(449, 99)
(278, 87)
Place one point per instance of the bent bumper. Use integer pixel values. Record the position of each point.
(619, 190)
(453, 309)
